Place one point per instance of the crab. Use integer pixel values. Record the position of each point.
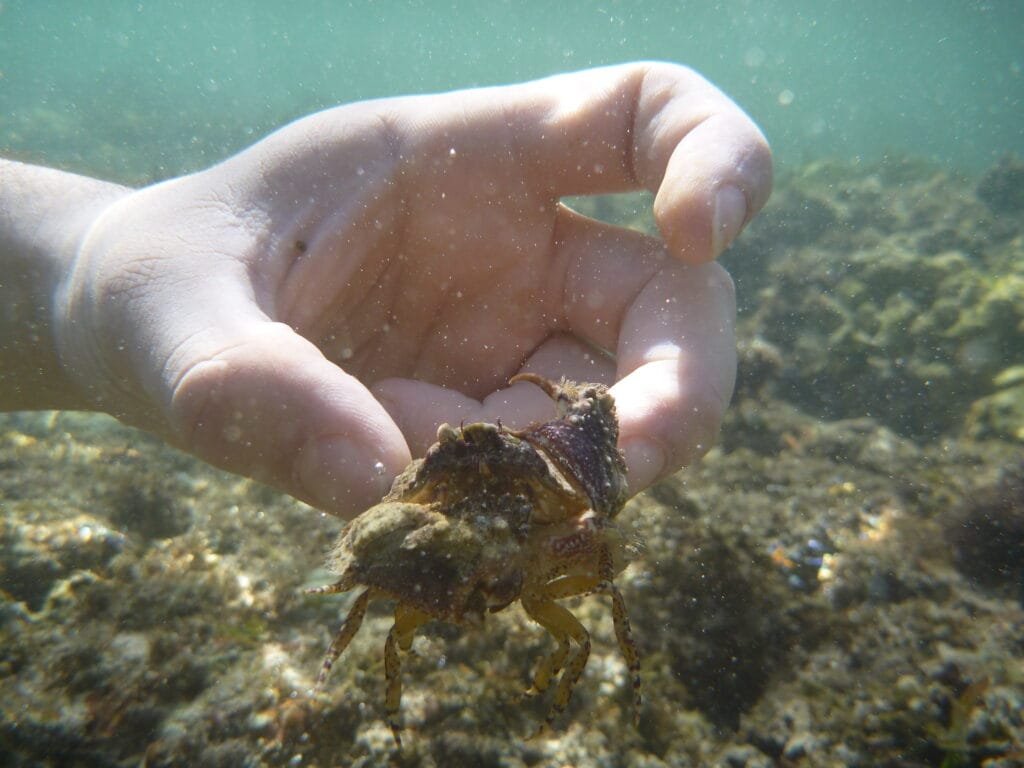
(490, 516)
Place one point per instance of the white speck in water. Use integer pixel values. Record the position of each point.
(451, 152)
(786, 97)
(232, 433)
(345, 353)
(378, 468)
(360, 171)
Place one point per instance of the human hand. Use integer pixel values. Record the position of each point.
(308, 311)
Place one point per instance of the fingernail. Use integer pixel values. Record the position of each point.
(645, 461)
(338, 477)
(730, 211)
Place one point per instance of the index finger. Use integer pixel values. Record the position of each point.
(671, 329)
(649, 125)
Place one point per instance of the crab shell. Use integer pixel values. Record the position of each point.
(459, 528)
(583, 442)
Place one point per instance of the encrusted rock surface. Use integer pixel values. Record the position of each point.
(837, 584)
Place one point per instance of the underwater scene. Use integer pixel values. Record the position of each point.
(839, 581)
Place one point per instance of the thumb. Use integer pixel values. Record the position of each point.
(269, 405)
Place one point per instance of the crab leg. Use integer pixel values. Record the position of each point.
(624, 634)
(570, 586)
(348, 630)
(393, 689)
(565, 586)
(400, 637)
(561, 624)
(342, 585)
(407, 621)
(623, 631)
(550, 665)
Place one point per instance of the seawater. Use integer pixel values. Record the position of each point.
(142, 90)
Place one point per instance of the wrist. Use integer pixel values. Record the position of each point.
(44, 216)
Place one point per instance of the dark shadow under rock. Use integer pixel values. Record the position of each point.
(726, 620)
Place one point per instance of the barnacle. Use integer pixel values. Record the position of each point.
(490, 516)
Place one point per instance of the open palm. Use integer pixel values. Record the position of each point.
(309, 310)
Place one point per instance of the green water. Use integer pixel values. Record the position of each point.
(141, 90)
(838, 583)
